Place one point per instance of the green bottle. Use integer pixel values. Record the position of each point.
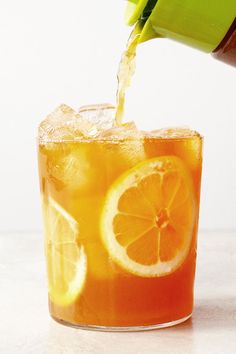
(209, 25)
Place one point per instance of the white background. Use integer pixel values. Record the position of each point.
(68, 51)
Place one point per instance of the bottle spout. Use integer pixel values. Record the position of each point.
(148, 32)
(134, 10)
(198, 23)
(138, 12)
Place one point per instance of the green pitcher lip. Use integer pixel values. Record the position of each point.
(199, 23)
(134, 10)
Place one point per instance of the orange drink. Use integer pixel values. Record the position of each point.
(120, 209)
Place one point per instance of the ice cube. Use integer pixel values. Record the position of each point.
(66, 124)
(74, 166)
(126, 131)
(123, 144)
(120, 156)
(93, 121)
(62, 124)
(102, 116)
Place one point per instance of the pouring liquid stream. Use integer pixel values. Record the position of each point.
(126, 71)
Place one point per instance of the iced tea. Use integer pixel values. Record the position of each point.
(120, 213)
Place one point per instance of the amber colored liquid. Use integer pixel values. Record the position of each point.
(126, 70)
(112, 296)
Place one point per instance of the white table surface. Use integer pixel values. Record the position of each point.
(25, 326)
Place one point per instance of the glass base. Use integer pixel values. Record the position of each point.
(125, 328)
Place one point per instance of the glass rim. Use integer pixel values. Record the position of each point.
(145, 135)
(115, 141)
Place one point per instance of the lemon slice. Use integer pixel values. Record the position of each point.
(148, 217)
(66, 258)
